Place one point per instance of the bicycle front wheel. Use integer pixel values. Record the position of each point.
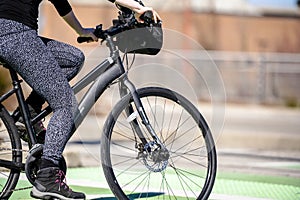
(10, 154)
(136, 170)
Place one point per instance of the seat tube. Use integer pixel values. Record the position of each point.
(23, 106)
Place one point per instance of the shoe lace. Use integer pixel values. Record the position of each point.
(62, 181)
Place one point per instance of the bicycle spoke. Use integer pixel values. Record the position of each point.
(187, 153)
(146, 174)
(124, 125)
(169, 125)
(167, 185)
(153, 110)
(184, 184)
(124, 135)
(182, 135)
(124, 161)
(186, 145)
(193, 161)
(162, 120)
(175, 132)
(128, 182)
(186, 171)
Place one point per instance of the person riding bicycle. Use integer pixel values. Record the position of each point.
(47, 65)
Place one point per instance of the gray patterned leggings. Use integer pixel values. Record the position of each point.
(46, 65)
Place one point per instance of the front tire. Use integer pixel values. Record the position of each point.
(135, 170)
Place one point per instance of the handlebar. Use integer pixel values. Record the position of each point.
(102, 34)
(147, 17)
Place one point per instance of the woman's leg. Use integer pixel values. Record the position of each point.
(69, 58)
(29, 56)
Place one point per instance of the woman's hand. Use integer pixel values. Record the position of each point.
(142, 10)
(88, 33)
(138, 9)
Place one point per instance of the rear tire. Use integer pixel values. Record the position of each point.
(10, 154)
(135, 171)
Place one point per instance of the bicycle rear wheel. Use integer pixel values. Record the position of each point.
(134, 170)
(10, 154)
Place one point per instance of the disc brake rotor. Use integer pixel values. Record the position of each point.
(154, 157)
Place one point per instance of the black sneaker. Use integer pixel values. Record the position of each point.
(39, 128)
(49, 184)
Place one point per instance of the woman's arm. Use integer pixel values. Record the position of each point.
(73, 22)
(64, 9)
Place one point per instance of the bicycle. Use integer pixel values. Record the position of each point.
(155, 143)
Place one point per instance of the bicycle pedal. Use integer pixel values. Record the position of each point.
(36, 149)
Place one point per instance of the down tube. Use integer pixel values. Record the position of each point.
(95, 91)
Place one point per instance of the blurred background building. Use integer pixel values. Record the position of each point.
(254, 44)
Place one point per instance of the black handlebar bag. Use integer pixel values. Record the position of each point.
(142, 39)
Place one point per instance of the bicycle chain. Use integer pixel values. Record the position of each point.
(8, 149)
(21, 189)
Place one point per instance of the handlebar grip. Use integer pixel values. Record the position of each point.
(84, 39)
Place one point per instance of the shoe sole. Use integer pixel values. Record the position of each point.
(35, 193)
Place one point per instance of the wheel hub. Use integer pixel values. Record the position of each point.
(154, 157)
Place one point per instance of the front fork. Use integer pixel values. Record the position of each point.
(125, 87)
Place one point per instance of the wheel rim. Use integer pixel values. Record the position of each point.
(186, 172)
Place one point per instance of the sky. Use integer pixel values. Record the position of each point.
(275, 3)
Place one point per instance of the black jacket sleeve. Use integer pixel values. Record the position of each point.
(62, 6)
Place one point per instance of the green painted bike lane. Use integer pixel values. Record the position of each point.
(228, 186)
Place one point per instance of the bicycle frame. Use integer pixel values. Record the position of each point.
(102, 76)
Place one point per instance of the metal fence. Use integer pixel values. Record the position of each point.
(260, 77)
(264, 78)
